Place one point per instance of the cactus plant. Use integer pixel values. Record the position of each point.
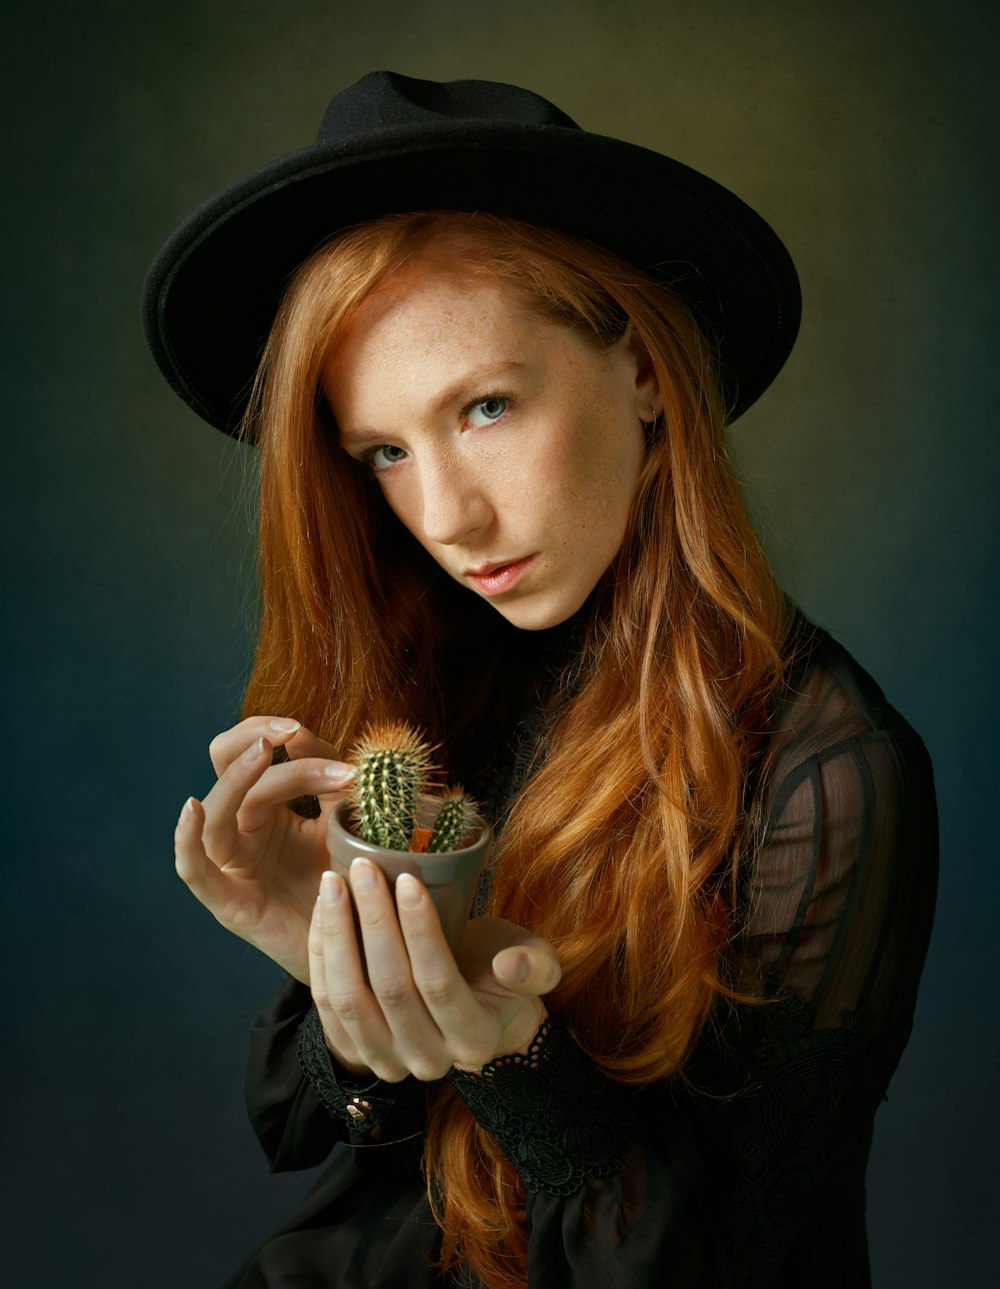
(453, 823)
(394, 769)
(391, 792)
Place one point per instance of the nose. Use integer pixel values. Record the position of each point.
(455, 502)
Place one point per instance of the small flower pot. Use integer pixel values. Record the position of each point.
(450, 876)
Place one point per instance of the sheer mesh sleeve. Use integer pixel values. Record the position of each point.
(844, 890)
(840, 914)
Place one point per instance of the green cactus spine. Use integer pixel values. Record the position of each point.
(454, 822)
(393, 768)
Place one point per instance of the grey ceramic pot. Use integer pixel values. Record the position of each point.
(450, 876)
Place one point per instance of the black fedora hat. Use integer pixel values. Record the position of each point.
(391, 143)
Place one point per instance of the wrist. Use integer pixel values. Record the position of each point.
(517, 1038)
(356, 1073)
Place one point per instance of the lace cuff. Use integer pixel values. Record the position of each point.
(553, 1113)
(364, 1109)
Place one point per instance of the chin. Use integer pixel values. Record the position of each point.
(537, 616)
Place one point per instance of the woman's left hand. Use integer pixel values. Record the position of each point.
(421, 1011)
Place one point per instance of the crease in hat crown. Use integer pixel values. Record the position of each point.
(385, 100)
(391, 143)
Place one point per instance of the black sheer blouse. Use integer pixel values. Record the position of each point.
(748, 1171)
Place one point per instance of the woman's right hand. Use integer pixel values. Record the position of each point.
(253, 863)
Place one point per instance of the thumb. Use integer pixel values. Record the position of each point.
(527, 970)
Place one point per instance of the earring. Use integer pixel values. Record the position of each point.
(650, 427)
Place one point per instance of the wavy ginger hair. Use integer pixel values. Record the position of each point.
(632, 826)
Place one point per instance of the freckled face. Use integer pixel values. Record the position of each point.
(508, 446)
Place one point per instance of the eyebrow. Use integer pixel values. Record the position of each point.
(459, 391)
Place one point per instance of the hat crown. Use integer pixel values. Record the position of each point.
(387, 100)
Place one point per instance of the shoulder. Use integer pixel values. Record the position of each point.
(846, 868)
(832, 710)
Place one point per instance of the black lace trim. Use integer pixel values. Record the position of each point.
(553, 1113)
(364, 1109)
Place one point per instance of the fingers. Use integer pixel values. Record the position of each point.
(416, 1013)
(243, 799)
(530, 970)
(281, 783)
(470, 1022)
(416, 1039)
(228, 746)
(193, 865)
(221, 831)
(335, 971)
(384, 1020)
(512, 956)
(381, 1027)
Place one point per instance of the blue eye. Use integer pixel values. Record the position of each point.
(490, 409)
(385, 452)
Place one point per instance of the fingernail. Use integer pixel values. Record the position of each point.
(187, 816)
(330, 888)
(339, 774)
(254, 750)
(518, 969)
(407, 890)
(283, 725)
(362, 874)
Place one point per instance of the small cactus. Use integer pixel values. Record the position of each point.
(453, 823)
(394, 768)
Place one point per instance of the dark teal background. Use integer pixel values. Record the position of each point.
(865, 132)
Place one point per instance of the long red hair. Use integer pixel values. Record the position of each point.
(623, 843)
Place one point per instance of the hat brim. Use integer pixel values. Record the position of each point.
(212, 293)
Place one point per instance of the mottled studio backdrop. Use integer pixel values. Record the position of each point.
(865, 132)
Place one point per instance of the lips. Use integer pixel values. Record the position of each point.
(484, 570)
(495, 578)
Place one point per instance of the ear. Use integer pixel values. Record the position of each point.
(648, 400)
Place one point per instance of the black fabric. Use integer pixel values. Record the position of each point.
(552, 1112)
(748, 1172)
(365, 1108)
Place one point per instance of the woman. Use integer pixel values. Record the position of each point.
(494, 501)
